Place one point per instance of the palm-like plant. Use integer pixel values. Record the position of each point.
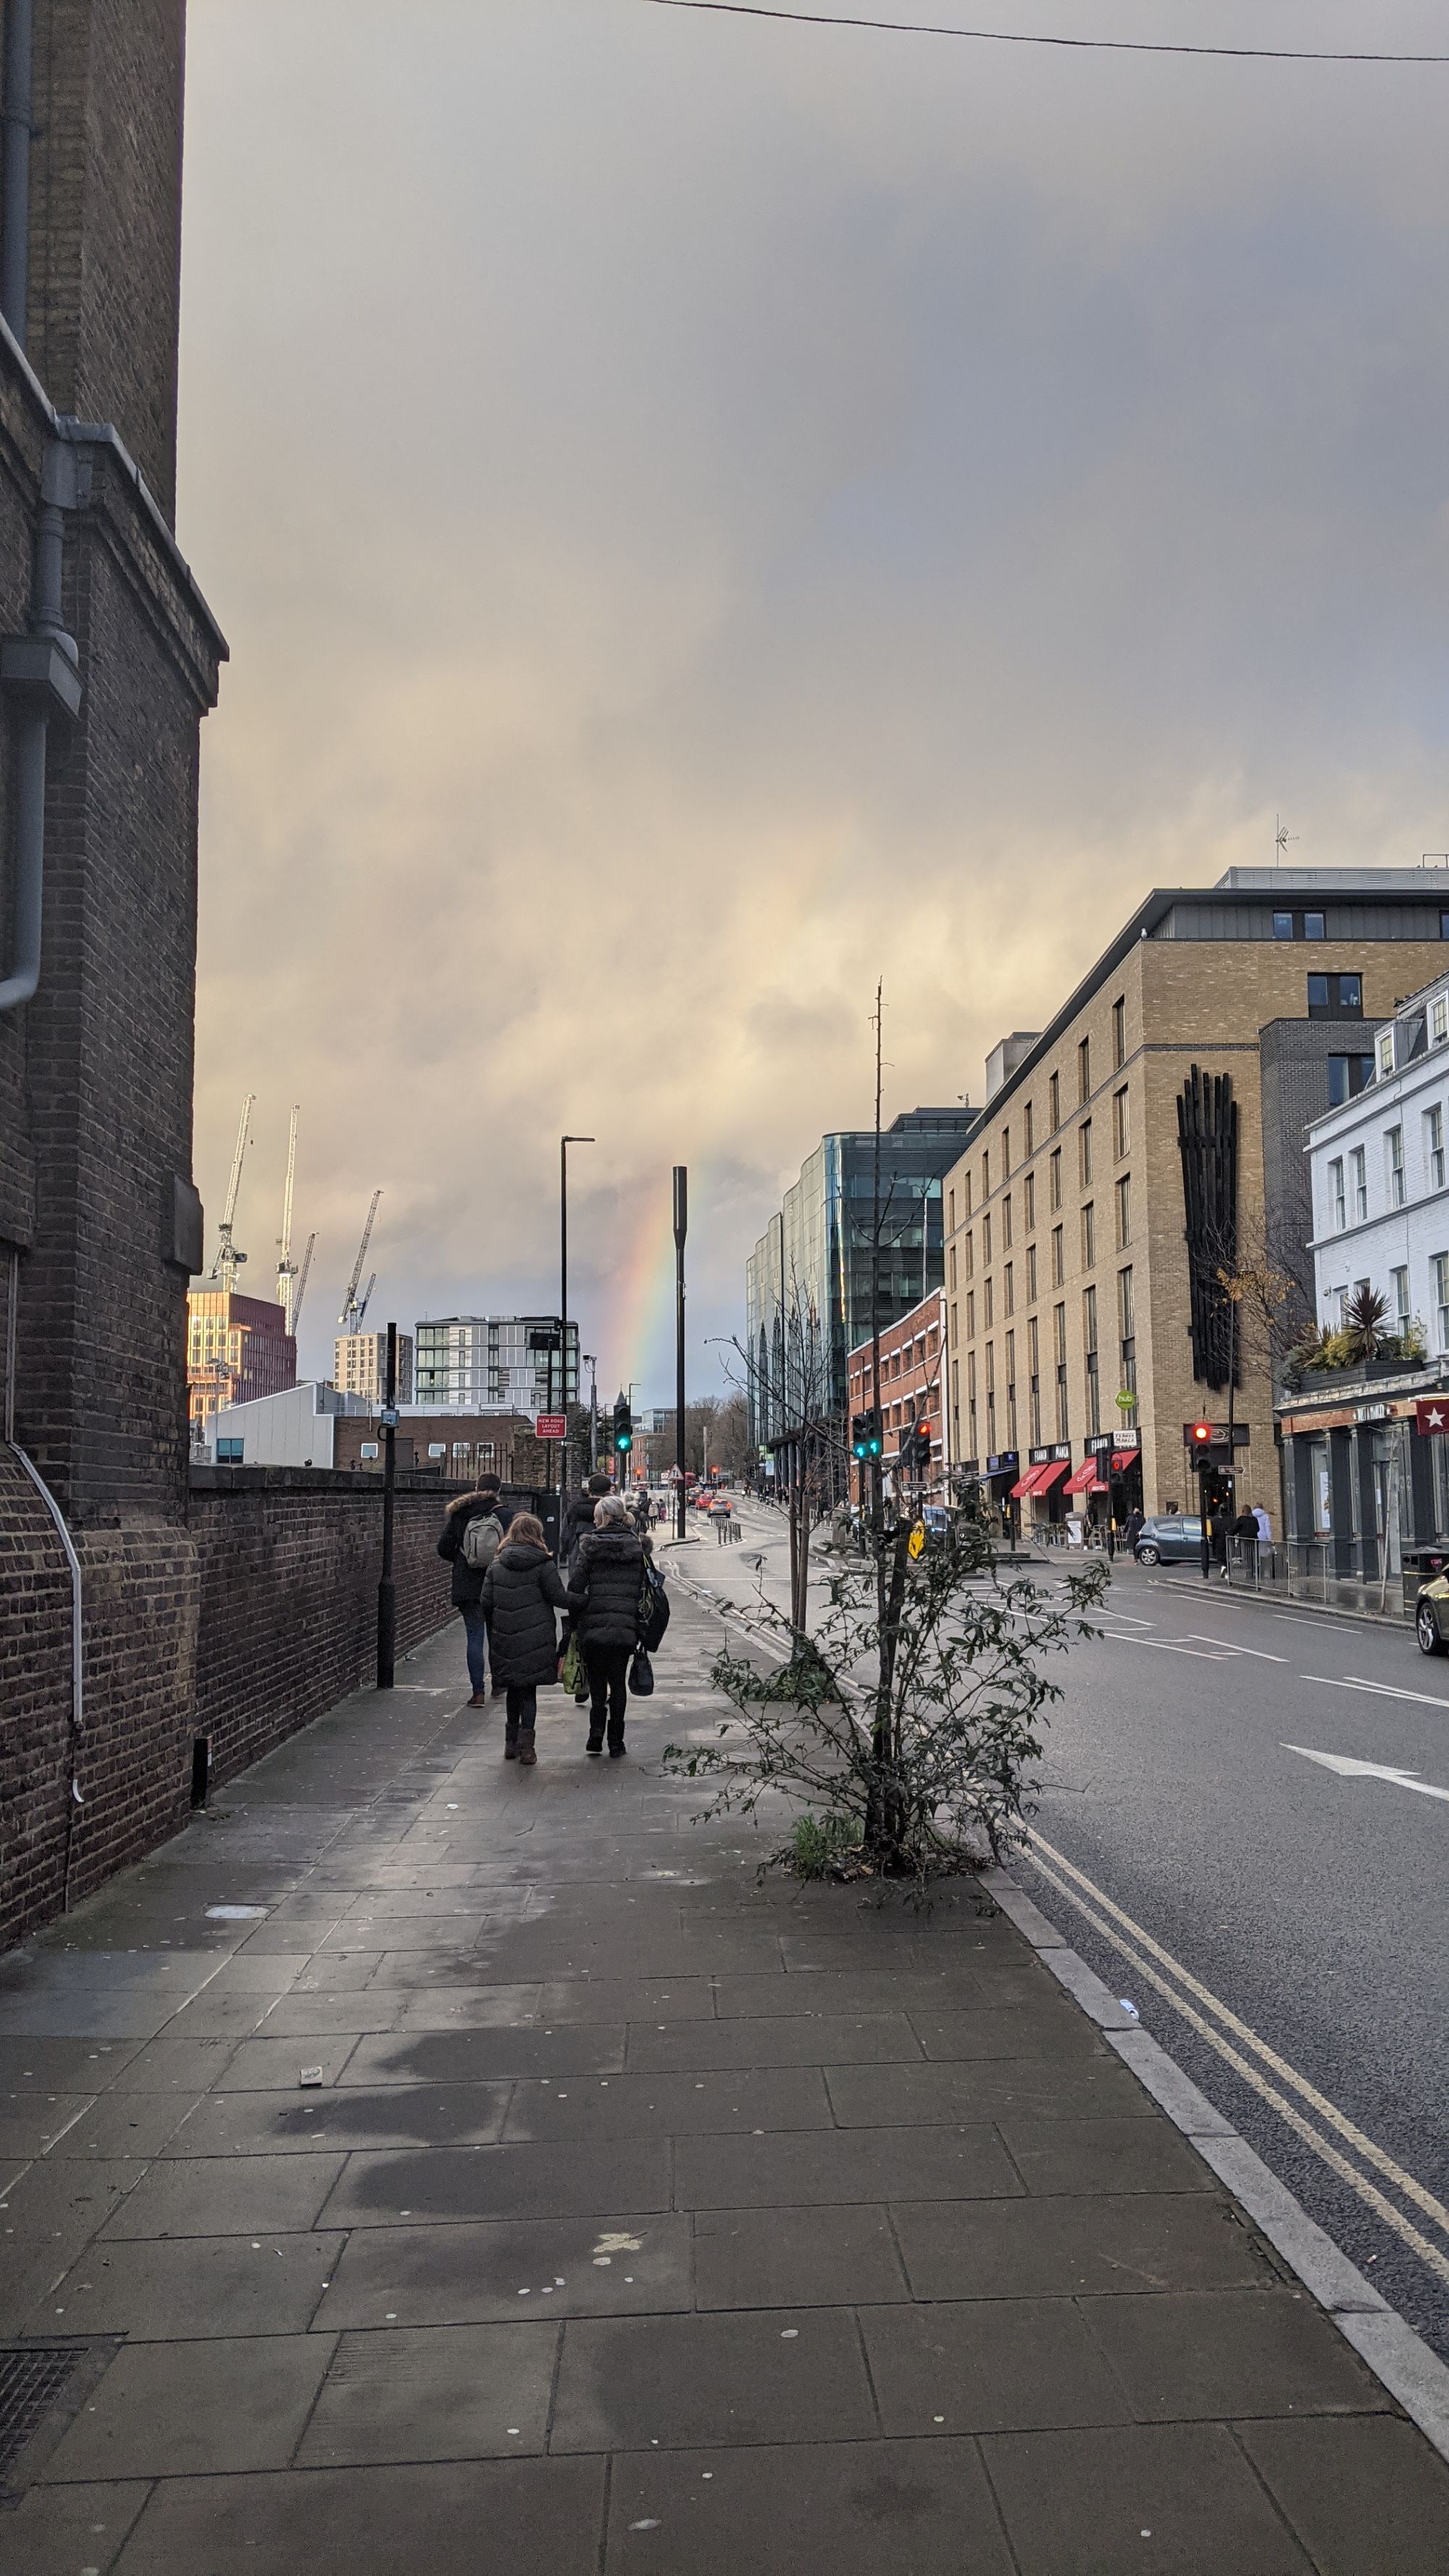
(1365, 1314)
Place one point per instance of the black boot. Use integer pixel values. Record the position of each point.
(526, 1754)
(595, 1743)
(510, 1744)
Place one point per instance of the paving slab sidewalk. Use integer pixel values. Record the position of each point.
(524, 2187)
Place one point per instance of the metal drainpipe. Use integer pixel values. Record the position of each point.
(16, 118)
(40, 671)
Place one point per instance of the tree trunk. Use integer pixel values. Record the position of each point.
(884, 1822)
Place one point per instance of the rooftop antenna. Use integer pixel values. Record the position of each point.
(228, 1259)
(1281, 838)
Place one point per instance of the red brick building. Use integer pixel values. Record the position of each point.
(912, 1361)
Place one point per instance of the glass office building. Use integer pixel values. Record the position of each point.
(486, 1362)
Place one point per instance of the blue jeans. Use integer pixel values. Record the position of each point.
(471, 1614)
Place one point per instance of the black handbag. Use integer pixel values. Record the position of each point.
(653, 1613)
(641, 1676)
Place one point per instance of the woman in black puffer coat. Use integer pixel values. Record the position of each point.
(604, 1582)
(521, 1591)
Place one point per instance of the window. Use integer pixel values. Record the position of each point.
(1089, 1342)
(1033, 1363)
(368, 1449)
(1121, 1127)
(1434, 1147)
(1089, 1236)
(1008, 1289)
(1058, 1264)
(1335, 997)
(1031, 1274)
(986, 1243)
(229, 1453)
(1054, 1102)
(952, 1265)
(437, 1448)
(950, 1211)
(1059, 1346)
(1282, 925)
(1084, 1152)
(1126, 1307)
(1028, 1199)
(1119, 1031)
(1011, 1390)
(1029, 1118)
(989, 1303)
(1441, 1296)
(1124, 1211)
(1439, 1020)
(1005, 1152)
(1084, 1071)
(1348, 1075)
(986, 1176)
(1054, 1178)
(1006, 1223)
(967, 1178)
(1384, 1050)
(971, 1255)
(1394, 1147)
(970, 1314)
(1399, 1282)
(1335, 1194)
(1313, 925)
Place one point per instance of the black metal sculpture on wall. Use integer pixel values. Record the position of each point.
(1207, 1136)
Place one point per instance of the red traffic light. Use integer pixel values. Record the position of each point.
(1200, 1434)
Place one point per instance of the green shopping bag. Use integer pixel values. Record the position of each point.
(573, 1671)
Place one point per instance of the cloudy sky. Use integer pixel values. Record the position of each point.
(709, 512)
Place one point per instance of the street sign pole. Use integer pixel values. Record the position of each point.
(681, 1226)
(387, 1590)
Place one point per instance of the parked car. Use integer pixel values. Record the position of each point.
(1169, 1541)
(1431, 1617)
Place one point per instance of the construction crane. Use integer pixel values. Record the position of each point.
(351, 1316)
(228, 1259)
(299, 1292)
(366, 1302)
(286, 1266)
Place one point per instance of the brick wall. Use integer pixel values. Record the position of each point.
(289, 1560)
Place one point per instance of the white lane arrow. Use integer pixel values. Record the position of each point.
(1348, 1769)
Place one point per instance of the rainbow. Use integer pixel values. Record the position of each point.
(636, 1336)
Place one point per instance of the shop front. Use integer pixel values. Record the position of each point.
(1002, 1473)
(1041, 1487)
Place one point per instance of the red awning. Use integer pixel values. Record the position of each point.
(1086, 1480)
(1049, 1475)
(1124, 1458)
(1030, 1483)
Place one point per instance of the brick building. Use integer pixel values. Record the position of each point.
(1120, 1165)
(236, 1348)
(108, 661)
(912, 1367)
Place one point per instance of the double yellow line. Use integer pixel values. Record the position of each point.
(1175, 1983)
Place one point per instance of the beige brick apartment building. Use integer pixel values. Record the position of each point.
(1076, 1271)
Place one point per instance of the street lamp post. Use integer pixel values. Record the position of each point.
(564, 1143)
(386, 1589)
(681, 1227)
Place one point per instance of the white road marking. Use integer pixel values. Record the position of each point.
(1164, 1646)
(1327, 2111)
(1348, 1769)
(1379, 1690)
(1229, 1649)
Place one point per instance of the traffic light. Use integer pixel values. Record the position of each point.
(866, 1437)
(623, 1426)
(1199, 1435)
(916, 1448)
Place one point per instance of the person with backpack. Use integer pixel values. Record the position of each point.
(605, 1581)
(521, 1591)
(472, 1534)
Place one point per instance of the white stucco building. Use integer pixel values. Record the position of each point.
(1380, 1193)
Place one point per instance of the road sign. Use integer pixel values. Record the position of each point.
(916, 1543)
(551, 1426)
(1431, 1413)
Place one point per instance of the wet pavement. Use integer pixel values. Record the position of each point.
(521, 2186)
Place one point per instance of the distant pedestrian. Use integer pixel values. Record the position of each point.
(604, 1586)
(1134, 1529)
(484, 1512)
(719, 1512)
(579, 1516)
(1265, 1526)
(639, 1512)
(521, 1591)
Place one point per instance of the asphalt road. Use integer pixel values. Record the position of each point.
(1280, 1925)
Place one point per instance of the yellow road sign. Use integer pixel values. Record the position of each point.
(917, 1540)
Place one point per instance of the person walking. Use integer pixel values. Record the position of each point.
(1134, 1528)
(719, 1512)
(521, 1591)
(579, 1516)
(604, 1585)
(486, 1513)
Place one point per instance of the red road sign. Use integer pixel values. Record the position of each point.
(551, 1426)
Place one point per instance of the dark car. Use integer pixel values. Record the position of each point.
(1431, 1617)
(1169, 1541)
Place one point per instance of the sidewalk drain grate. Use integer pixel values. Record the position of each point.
(32, 2377)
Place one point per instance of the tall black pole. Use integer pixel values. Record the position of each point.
(386, 1590)
(564, 1143)
(681, 1227)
